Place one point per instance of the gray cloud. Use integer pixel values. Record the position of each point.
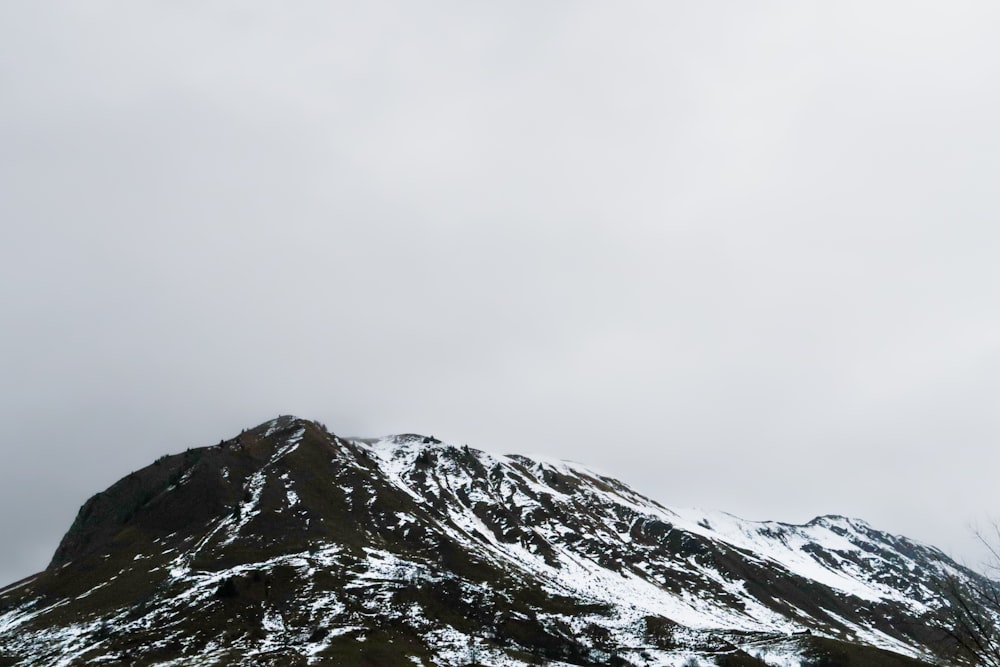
(741, 257)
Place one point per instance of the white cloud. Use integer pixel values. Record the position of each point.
(740, 256)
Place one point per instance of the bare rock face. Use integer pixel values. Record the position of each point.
(288, 545)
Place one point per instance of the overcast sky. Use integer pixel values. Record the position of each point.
(741, 255)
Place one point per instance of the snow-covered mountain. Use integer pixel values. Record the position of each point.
(288, 545)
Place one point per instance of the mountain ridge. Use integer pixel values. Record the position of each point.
(291, 542)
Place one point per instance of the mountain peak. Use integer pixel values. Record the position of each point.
(291, 542)
(839, 521)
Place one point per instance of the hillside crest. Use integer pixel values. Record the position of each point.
(290, 543)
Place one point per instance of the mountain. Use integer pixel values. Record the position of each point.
(288, 545)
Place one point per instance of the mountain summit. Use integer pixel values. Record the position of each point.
(288, 545)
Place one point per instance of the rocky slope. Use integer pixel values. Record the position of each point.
(288, 545)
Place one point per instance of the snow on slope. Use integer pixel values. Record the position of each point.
(832, 551)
